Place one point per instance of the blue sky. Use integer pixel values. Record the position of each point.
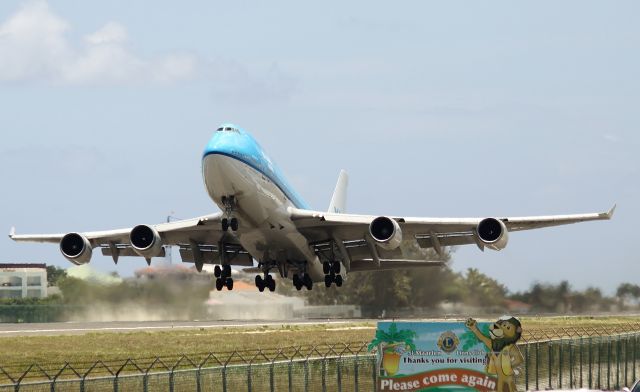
(434, 109)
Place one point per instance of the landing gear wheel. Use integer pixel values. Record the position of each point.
(327, 281)
(217, 271)
(260, 283)
(326, 267)
(219, 284)
(297, 283)
(226, 270)
(336, 267)
(229, 284)
(225, 224)
(338, 280)
(234, 224)
(306, 279)
(270, 283)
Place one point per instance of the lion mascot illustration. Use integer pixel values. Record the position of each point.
(504, 355)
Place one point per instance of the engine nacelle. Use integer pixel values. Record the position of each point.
(493, 233)
(146, 241)
(386, 232)
(76, 248)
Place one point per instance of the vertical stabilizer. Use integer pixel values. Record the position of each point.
(339, 200)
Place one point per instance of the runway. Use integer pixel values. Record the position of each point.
(79, 328)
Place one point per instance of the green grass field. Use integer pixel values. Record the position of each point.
(197, 343)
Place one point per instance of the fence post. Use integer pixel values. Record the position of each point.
(626, 359)
(271, 380)
(339, 374)
(599, 362)
(635, 338)
(355, 373)
(306, 375)
(249, 386)
(290, 373)
(171, 381)
(590, 363)
(550, 363)
(560, 362)
(224, 378)
(609, 362)
(538, 366)
(571, 364)
(374, 373)
(581, 358)
(198, 374)
(324, 374)
(526, 366)
(618, 348)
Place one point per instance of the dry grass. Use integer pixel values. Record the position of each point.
(197, 343)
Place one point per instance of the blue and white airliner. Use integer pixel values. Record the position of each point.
(264, 221)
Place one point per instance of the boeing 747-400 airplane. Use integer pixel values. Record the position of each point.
(265, 220)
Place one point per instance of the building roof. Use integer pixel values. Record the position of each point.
(22, 265)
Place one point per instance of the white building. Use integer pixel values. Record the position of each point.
(23, 280)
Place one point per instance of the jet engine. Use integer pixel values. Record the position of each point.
(386, 232)
(146, 241)
(493, 233)
(76, 248)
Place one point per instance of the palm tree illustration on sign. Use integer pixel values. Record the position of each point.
(391, 345)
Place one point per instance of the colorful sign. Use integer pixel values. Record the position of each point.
(447, 356)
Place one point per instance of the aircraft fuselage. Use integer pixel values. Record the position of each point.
(234, 165)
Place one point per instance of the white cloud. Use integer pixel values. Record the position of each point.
(34, 46)
(112, 32)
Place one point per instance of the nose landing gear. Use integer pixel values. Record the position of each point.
(230, 206)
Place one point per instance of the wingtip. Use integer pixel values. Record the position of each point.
(12, 232)
(608, 214)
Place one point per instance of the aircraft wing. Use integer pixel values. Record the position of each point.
(348, 236)
(199, 239)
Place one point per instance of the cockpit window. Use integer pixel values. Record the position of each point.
(228, 129)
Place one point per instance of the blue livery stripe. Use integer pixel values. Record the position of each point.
(288, 192)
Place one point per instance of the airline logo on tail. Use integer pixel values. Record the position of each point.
(339, 200)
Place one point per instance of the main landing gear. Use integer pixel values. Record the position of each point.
(223, 277)
(230, 221)
(332, 273)
(302, 280)
(266, 282)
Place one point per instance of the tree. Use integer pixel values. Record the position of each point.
(625, 292)
(563, 293)
(382, 291)
(54, 274)
(482, 290)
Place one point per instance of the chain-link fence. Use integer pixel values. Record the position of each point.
(583, 357)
